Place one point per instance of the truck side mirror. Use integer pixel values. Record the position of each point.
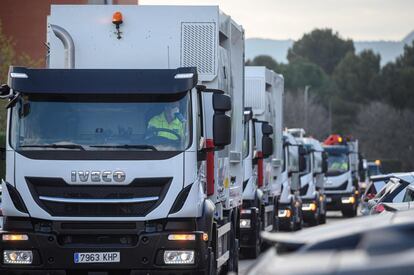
(221, 102)
(302, 163)
(324, 162)
(4, 90)
(221, 130)
(267, 146)
(221, 121)
(302, 151)
(267, 129)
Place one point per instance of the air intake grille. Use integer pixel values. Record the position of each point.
(253, 97)
(58, 188)
(304, 190)
(198, 47)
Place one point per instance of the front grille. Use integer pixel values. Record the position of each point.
(304, 190)
(58, 188)
(340, 187)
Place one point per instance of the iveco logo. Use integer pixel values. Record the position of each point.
(98, 176)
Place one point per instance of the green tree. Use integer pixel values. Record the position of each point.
(355, 76)
(300, 73)
(396, 82)
(8, 56)
(264, 60)
(322, 47)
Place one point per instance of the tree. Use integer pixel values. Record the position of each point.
(300, 73)
(355, 75)
(322, 47)
(396, 81)
(8, 56)
(386, 133)
(294, 116)
(264, 60)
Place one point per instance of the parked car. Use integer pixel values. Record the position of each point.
(399, 189)
(403, 199)
(380, 244)
(375, 185)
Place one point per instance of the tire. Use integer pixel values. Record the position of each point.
(322, 218)
(350, 212)
(298, 225)
(253, 253)
(314, 221)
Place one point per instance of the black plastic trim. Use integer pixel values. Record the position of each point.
(180, 200)
(97, 155)
(16, 198)
(103, 81)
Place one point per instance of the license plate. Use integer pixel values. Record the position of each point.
(97, 257)
(328, 199)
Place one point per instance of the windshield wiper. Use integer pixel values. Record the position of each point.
(55, 145)
(127, 146)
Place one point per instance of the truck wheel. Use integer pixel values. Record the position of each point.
(316, 217)
(350, 212)
(322, 218)
(298, 224)
(254, 252)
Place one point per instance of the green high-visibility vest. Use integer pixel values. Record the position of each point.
(160, 122)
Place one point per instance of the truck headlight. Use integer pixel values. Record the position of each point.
(284, 213)
(348, 200)
(179, 257)
(309, 206)
(17, 257)
(245, 223)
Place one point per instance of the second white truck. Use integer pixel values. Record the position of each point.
(263, 137)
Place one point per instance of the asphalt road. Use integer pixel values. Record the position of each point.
(245, 264)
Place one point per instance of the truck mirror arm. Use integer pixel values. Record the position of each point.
(4, 91)
(13, 100)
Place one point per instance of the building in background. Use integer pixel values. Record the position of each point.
(25, 22)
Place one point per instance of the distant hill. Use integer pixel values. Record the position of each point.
(389, 50)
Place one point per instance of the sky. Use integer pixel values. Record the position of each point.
(284, 19)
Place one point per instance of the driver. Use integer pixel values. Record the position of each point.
(169, 120)
(338, 165)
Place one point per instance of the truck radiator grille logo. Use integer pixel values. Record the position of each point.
(98, 176)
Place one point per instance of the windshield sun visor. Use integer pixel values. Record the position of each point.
(103, 81)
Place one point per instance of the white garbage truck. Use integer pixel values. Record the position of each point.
(264, 152)
(125, 154)
(342, 184)
(312, 179)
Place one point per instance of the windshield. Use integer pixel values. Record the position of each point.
(373, 170)
(376, 187)
(337, 164)
(101, 122)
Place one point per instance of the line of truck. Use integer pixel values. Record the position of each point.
(147, 146)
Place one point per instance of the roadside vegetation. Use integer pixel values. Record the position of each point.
(350, 94)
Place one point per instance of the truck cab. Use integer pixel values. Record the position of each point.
(290, 212)
(342, 183)
(126, 153)
(312, 179)
(263, 119)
